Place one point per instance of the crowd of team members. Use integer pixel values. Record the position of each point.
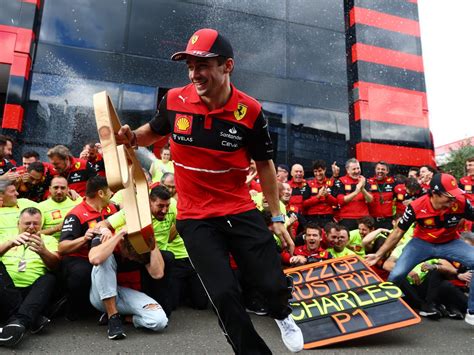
(63, 245)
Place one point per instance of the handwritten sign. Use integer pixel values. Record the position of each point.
(342, 299)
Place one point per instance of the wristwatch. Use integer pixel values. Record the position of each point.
(278, 219)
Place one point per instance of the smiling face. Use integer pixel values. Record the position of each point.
(353, 170)
(319, 174)
(381, 171)
(312, 238)
(425, 175)
(470, 168)
(297, 173)
(208, 76)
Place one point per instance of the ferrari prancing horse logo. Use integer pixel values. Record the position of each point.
(240, 112)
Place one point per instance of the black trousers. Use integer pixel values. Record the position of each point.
(247, 237)
(186, 286)
(76, 274)
(24, 304)
(161, 290)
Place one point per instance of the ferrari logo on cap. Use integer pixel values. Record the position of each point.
(453, 182)
(194, 39)
(240, 112)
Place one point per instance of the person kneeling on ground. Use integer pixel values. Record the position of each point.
(26, 283)
(112, 255)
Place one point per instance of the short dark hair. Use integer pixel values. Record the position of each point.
(330, 225)
(30, 210)
(344, 228)
(412, 184)
(31, 154)
(381, 162)
(36, 166)
(94, 184)
(470, 159)
(368, 221)
(160, 192)
(311, 225)
(430, 168)
(319, 164)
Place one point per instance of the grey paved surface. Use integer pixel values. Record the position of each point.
(196, 332)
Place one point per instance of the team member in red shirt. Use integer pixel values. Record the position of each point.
(382, 189)
(352, 195)
(90, 153)
(299, 187)
(215, 130)
(437, 216)
(318, 208)
(406, 193)
(311, 251)
(79, 227)
(76, 171)
(467, 182)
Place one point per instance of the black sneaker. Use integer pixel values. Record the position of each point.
(39, 325)
(429, 311)
(12, 334)
(257, 308)
(115, 330)
(454, 313)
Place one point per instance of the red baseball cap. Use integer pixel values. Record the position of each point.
(206, 43)
(445, 184)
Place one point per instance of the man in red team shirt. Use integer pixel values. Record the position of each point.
(467, 182)
(299, 187)
(352, 195)
(215, 130)
(318, 208)
(382, 189)
(437, 216)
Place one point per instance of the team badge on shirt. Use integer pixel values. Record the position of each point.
(77, 165)
(428, 222)
(56, 214)
(240, 112)
(183, 124)
(347, 187)
(314, 190)
(468, 188)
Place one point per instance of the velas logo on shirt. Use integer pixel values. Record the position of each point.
(240, 112)
(183, 124)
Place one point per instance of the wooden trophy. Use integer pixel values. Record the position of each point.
(124, 172)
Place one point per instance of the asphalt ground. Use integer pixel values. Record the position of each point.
(196, 332)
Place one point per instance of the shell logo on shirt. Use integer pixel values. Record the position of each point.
(183, 124)
(428, 222)
(314, 190)
(56, 214)
(240, 112)
(373, 187)
(400, 197)
(347, 187)
(468, 188)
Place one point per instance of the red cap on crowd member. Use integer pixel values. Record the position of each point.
(445, 184)
(206, 43)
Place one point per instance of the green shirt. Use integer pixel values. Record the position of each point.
(54, 212)
(117, 198)
(258, 199)
(355, 242)
(160, 228)
(345, 252)
(158, 169)
(177, 245)
(35, 266)
(397, 252)
(9, 217)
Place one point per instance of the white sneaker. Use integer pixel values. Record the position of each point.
(469, 318)
(291, 334)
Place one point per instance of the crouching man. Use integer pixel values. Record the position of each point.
(116, 279)
(26, 283)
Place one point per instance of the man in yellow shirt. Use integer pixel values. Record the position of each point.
(11, 208)
(56, 207)
(26, 285)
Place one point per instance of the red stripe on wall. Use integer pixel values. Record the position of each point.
(365, 88)
(24, 37)
(385, 21)
(21, 65)
(35, 2)
(392, 154)
(361, 51)
(392, 105)
(13, 117)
